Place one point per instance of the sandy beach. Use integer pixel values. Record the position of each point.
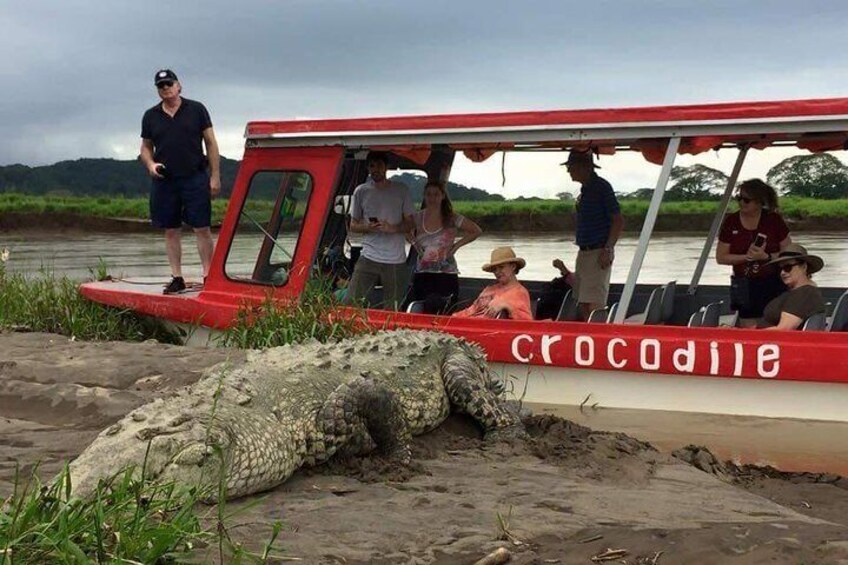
(565, 495)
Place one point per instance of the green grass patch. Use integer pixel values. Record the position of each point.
(46, 303)
(138, 208)
(273, 323)
(129, 519)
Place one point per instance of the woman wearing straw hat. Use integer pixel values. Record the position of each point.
(802, 299)
(507, 294)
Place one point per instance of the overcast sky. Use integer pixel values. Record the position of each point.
(77, 75)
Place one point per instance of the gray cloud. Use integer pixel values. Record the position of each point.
(77, 75)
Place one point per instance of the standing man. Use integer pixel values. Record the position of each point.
(382, 210)
(172, 135)
(599, 225)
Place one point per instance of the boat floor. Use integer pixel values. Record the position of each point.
(147, 285)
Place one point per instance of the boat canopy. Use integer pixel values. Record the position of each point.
(659, 133)
(815, 125)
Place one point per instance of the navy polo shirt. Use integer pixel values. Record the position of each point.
(595, 208)
(177, 141)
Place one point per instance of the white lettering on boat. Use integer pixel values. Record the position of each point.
(768, 353)
(651, 354)
(515, 342)
(644, 347)
(589, 359)
(611, 354)
(684, 358)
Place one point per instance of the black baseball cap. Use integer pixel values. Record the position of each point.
(164, 75)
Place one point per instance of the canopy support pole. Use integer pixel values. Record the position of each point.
(717, 221)
(647, 229)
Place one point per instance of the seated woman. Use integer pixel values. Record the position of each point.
(436, 276)
(507, 294)
(802, 299)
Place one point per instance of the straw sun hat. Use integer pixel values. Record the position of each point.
(502, 255)
(794, 251)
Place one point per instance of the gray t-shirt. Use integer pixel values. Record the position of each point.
(389, 204)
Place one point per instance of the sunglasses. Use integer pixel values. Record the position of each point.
(743, 199)
(787, 267)
(165, 84)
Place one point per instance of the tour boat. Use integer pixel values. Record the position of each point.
(285, 207)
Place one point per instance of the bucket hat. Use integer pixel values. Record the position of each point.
(794, 251)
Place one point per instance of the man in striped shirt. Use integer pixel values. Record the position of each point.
(599, 225)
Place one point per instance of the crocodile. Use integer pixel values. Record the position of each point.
(245, 429)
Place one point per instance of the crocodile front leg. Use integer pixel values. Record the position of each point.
(362, 413)
(469, 391)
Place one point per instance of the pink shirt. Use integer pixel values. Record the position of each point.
(514, 296)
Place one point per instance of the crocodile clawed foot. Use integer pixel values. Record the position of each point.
(509, 434)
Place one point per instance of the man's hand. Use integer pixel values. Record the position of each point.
(155, 170)
(606, 257)
(215, 185)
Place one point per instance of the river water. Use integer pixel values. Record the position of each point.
(670, 256)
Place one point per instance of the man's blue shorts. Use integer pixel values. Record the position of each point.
(187, 199)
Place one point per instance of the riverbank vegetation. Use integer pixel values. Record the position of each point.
(793, 207)
(128, 519)
(46, 303)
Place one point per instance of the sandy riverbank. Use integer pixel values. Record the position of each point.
(564, 486)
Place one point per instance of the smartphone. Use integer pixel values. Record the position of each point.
(760, 240)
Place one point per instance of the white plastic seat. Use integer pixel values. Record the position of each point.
(415, 307)
(815, 323)
(839, 319)
(568, 310)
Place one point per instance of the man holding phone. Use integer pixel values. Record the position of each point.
(172, 134)
(382, 210)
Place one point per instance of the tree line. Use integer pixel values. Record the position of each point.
(819, 175)
(112, 177)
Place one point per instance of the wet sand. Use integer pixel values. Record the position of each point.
(566, 494)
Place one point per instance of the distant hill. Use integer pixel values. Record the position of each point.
(92, 177)
(455, 191)
(111, 177)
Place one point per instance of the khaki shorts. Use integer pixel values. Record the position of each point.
(591, 282)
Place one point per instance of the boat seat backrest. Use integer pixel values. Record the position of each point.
(415, 307)
(711, 315)
(839, 320)
(568, 310)
(815, 323)
(696, 319)
(653, 310)
(599, 315)
(668, 292)
(534, 306)
(613, 310)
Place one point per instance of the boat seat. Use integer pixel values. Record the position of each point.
(534, 305)
(668, 291)
(712, 315)
(815, 323)
(568, 311)
(502, 315)
(696, 319)
(839, 319)
(415, 307)
(653, 310)
(599, 315)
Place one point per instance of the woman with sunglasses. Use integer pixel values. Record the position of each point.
(803, 298)
(748, 240)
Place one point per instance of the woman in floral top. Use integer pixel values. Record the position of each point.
(437, 226)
